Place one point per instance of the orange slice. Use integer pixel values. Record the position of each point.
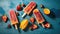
(46, 11)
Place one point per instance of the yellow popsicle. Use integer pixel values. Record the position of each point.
(24, 24)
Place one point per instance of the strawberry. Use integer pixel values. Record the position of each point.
(32, 19)
(47, 25)
(18, 8)
(4, 18)
(34, 26)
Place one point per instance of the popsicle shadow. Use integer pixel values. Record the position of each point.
(52, 14)
(55, 13)
(0, 19)
(59, 23)
(18, 25)
(27, 28)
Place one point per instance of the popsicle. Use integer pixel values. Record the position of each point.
(27, 10)
(13, 18)
(39, 18)
(24, 24)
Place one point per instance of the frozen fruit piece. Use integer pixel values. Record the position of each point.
(4, 18)
(24, 24)
(32, 19)
(46, 11)
(47, 25)
(18, 8)
(33, 27)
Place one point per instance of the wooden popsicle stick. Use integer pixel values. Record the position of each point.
(16, 26)
(23, 14)
(43, 25)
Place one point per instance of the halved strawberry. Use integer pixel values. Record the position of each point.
(32, 19)
(4, 18)
(47, 25)
(33, 27)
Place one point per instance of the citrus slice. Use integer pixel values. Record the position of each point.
(46, 11)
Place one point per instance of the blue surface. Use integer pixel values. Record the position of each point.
(53, 5)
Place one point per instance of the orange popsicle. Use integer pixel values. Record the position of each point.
(27, 10)
(13, 18)
(39, 18)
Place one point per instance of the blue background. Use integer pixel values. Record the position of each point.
(53, 5)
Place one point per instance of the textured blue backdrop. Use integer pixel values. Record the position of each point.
(53, 5)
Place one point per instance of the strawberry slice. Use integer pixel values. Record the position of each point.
(32, 19)
(4, 18)
(33, 27)
(47, 25)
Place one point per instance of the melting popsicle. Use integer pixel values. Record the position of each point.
(13, 18)
(39, 18)
(27, 10)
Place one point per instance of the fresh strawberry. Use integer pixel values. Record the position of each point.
(47, 25)
(4, 18)
(34, 26)
(32, 19)
(18, 8)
